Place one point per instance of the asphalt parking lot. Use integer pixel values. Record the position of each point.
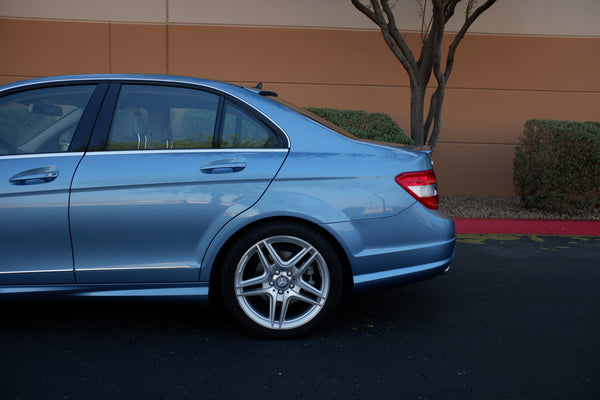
(517, 318)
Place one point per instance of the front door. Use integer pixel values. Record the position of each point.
(36, 168)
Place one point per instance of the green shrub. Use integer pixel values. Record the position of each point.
(372, 126)
(557, 165)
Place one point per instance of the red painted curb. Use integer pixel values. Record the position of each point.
(528, 226)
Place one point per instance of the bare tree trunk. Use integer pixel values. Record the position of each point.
(437, 116)
(422, 130)
(417, 110)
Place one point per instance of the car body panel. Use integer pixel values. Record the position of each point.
(380, 251)
(35, 242)
(150, 214)
(397, 249)
(352, 185)
(146, 223)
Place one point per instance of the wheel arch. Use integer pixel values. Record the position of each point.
(216, 266)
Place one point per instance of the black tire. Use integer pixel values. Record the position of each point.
(281, 279)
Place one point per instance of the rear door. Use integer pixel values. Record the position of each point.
(43, 132)
(169, 167)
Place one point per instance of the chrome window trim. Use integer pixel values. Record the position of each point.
(40, 155)
(180, 151)
(149, 79)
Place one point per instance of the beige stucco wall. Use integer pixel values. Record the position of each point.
(512, 17)
(528, 59)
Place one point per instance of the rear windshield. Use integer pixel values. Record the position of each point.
(315, 118)
(344, 132)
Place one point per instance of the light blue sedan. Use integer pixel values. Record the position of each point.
(163, 187)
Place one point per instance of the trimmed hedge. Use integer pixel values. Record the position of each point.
(372, 126)
(557, 165)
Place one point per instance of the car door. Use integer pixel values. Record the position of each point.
(41, 135)
(162, 180)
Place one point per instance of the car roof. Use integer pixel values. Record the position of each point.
(250, 97)
(121, 77)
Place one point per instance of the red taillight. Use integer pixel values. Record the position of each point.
(421, 185)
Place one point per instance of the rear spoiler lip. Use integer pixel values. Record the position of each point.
(423, 149)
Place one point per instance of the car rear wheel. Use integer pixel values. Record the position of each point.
(281, 279)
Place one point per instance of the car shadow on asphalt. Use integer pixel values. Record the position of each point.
(358, 313)
(95, 316)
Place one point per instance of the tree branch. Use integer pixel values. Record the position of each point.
(395, 33)
(461, 34)
(432, 107)
(390, 34)
(438, 97)
(437, 34)
(365, 10)
(449, 6)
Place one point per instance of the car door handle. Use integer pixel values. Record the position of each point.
(223, 167)
(36, 175)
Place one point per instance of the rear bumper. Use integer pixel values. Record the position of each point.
(414, 245)
(401, 276)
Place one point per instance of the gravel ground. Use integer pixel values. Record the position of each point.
(501, 207)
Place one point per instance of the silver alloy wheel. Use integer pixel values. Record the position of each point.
(281, 282)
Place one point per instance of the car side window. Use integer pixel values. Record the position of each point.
(41, 120)
(160, 117)
(243, 130)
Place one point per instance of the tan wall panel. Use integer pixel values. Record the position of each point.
(38, 48)
(474, 169)
(282, 55)
(532, 63)
(10, 79)
(138, 49)
(294, 55)
(498, 116)
(362, 58)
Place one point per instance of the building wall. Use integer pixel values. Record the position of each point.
(522, 60)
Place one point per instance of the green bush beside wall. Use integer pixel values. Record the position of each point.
(557, 165)
(372, 126)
